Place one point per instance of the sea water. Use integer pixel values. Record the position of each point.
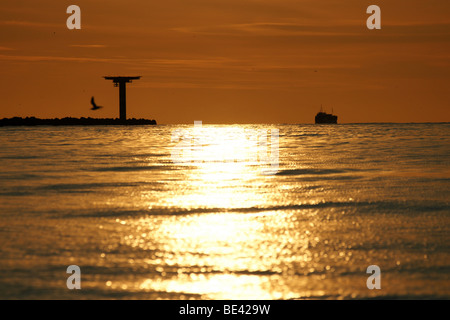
(142, 225)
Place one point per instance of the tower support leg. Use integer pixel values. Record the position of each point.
(123, 101)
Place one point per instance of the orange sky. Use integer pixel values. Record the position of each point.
(228, 61)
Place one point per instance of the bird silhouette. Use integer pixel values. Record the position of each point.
(94, 105)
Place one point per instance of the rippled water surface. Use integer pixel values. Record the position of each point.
(146, 215)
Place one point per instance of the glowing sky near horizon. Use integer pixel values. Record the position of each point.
(228, 61)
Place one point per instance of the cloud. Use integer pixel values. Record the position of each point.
(262, 28)
(31, 24)
(351, 29)
(56, 59)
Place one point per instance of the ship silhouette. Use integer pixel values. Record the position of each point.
(323, 117)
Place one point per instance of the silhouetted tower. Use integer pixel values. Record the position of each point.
(121, 83)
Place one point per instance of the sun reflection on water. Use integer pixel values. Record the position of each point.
(221, 255)
(226, 253)
(226, 169)
(143, 226)
(224, 286)
(220, 231)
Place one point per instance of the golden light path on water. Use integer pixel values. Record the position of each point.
(196, 212)
(235, 255)
(220, 224)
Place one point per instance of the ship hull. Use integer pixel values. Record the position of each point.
(322, 117)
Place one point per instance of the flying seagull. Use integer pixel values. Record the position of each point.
(94, 106)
